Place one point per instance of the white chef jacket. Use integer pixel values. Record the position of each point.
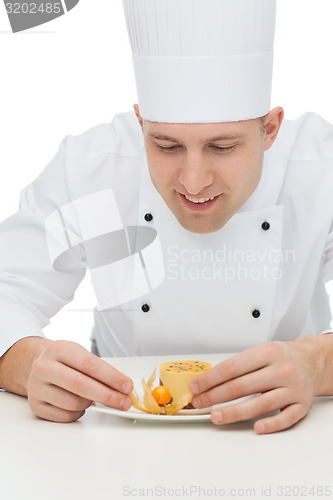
(260, 277)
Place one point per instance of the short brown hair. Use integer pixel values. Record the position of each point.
(262, 124)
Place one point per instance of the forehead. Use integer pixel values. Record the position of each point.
(201, 132)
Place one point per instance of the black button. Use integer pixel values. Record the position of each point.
(256, 313)
(148, 217)
(265, 226)
(145, 308)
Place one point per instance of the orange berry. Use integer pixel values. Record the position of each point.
(161, 395)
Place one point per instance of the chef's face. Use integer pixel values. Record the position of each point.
(206, 172)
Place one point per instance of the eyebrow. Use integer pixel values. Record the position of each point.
(211, 139)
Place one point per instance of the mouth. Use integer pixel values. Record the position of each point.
(198, 204)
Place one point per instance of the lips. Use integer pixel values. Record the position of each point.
(198, 204)
(198, 200)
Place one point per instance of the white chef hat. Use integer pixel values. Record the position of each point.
(202, 61)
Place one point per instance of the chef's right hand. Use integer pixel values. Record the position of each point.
(65, 379)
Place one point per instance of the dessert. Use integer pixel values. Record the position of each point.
(173, 393)
(177, 375)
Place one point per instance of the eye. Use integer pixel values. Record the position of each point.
(216, 148)
(223, 150)
(164, 148)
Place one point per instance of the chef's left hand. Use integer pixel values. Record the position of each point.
(283, 375)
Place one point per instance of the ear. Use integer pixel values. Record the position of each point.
(137, 112)
(272, 124)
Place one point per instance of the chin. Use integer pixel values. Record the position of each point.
(202, 228)
(199, 223)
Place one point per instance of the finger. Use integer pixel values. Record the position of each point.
(56, 396)
(78, 358)
(283, 420)
(247, 361)
(256, 382)
(58, 374)
(255, 407)
(54, 414)
(86, 387)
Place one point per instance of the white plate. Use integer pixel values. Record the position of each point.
(134, 414)
(141, 367)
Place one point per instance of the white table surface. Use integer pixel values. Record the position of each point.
(107, 457)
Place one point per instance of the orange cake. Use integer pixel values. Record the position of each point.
(177, 375)
(173, 393)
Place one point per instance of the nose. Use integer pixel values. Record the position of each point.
(195, 175)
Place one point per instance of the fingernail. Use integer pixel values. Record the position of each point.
(125, 404)
(196, 402)
(126, 387)
(217, 417)
(194, 387)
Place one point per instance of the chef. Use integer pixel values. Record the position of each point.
(204, 219)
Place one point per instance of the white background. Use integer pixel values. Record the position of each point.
(75, 72)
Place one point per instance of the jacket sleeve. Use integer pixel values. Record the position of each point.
(328, 256)
(31, 290)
